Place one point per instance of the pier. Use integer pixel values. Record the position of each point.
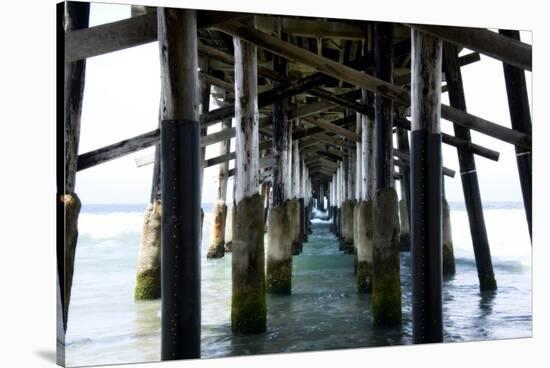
(327, 116)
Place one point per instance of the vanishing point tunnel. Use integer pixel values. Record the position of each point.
(315, 108)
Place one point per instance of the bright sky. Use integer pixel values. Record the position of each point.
(121, 100)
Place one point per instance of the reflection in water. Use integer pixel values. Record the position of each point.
(486, 302)
(323, 312)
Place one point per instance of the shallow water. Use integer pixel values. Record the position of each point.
(324, 312)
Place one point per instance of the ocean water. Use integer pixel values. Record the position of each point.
(106, 325)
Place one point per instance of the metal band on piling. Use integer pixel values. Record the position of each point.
(180, 251)
(426, 187)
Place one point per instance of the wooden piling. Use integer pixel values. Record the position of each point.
(71, 16)
(148, 278)
(448, 256)
(181, 167)
(518, 103)
(297, 242)
(386, 287)
(426, 187)
(279, 235)
(365, 242)
(302, 200)
(216, 246)
(468, 174)
(148, 275)
(346, 212)
(405, 202)
(248, 303)
(231, 208)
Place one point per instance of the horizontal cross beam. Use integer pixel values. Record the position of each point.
(505, 49)
(364, 80)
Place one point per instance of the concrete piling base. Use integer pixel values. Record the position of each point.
(404, 234)
(148, 269)
(279, 252)
(248, 302)
(303, 231)
(337, 215)
(364, 240)
(71, 208)
(356, 230)
(217, 231)
(308, 219)
(293, 214)
(386, 287)
(448, 253)
(346, 227)
(230, 215)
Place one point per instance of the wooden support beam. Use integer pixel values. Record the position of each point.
(426, 188)
(248, 297)
(500, 47)
(467, 59)
(71, 16)
(344, 100)
(211, 80)
(204, 108)
(369, 82)
(180, 161)
(333, 128)
(324, 29)
(383, 107)
(308, 132)
(281, 134)
(126, 33)
(386, 295)
(518, 103)
(266, 98)
(332, 100)
(149, 139)
(468, 174)
(403, 146)
(455, 141)
(405, 161)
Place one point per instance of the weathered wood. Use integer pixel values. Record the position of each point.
(325, 125)
(216, 246)
(71, 16)
(325, 29)
(370, 83)
(210, 79)
(343, 100)
(223, 169)
(248, 299)
(426, 187)
(155, 184)
(383, 107)
(128, 146)
(77, 18)
(204, 108)
(405, 160)
(117, 150)
(518, 103)
(266, 98)
(468, 174)
(307, 132)
(280, 133)
(500, 47)
(180, 160)
(126, 33)
(403, 145)
(467, 59)
(455, 141)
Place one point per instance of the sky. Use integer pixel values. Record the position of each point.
(121, 99)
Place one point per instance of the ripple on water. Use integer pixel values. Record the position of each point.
(324, 312)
